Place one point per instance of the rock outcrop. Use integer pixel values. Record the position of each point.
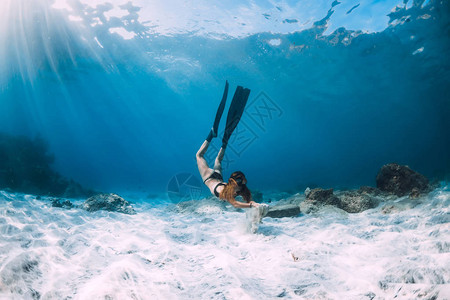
(369, 190)
(401, 181)
(282, 211)
(351, 201)
(62, 203)
(321, 196)
(109, 202)
(355, 201)
(317, 198)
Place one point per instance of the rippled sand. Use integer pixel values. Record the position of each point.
(205, 251)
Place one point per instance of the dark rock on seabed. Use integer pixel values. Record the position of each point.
(62, 203)
(393, 180)
(355, 201)
(369, 190)
(351, 201)
(109, 202)
(321, 196)
(401, 181)
(282, 211)
(317, 198)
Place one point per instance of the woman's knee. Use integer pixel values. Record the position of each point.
(201, 162)
(199, 155)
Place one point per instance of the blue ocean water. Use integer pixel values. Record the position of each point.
(125, 92)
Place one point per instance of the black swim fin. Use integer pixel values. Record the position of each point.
(214, 129)
(235, 112)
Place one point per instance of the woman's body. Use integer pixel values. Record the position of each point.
(236, 185)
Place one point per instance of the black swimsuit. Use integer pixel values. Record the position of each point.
(215, 189)
(216, 175)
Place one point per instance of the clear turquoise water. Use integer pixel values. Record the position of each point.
(125, 93)
(338, 89)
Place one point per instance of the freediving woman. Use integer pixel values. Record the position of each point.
(213, 179)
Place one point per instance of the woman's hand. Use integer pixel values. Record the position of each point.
(253, 204)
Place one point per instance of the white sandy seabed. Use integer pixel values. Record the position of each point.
(207, 253)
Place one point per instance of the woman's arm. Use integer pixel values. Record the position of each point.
(239, 204)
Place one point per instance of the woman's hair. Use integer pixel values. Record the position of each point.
(236, 179)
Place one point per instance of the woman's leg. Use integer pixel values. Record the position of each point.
(218, 161)
(203, 167)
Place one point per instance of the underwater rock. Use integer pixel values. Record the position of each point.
(389, 208)
(369, 190)
(62, 203)
(109, 202)
(282, 211)
(308, 207)
(355, 202)
(351, 201)
(415, 193)
(401, 181)
(317, 198)
(323, 197)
